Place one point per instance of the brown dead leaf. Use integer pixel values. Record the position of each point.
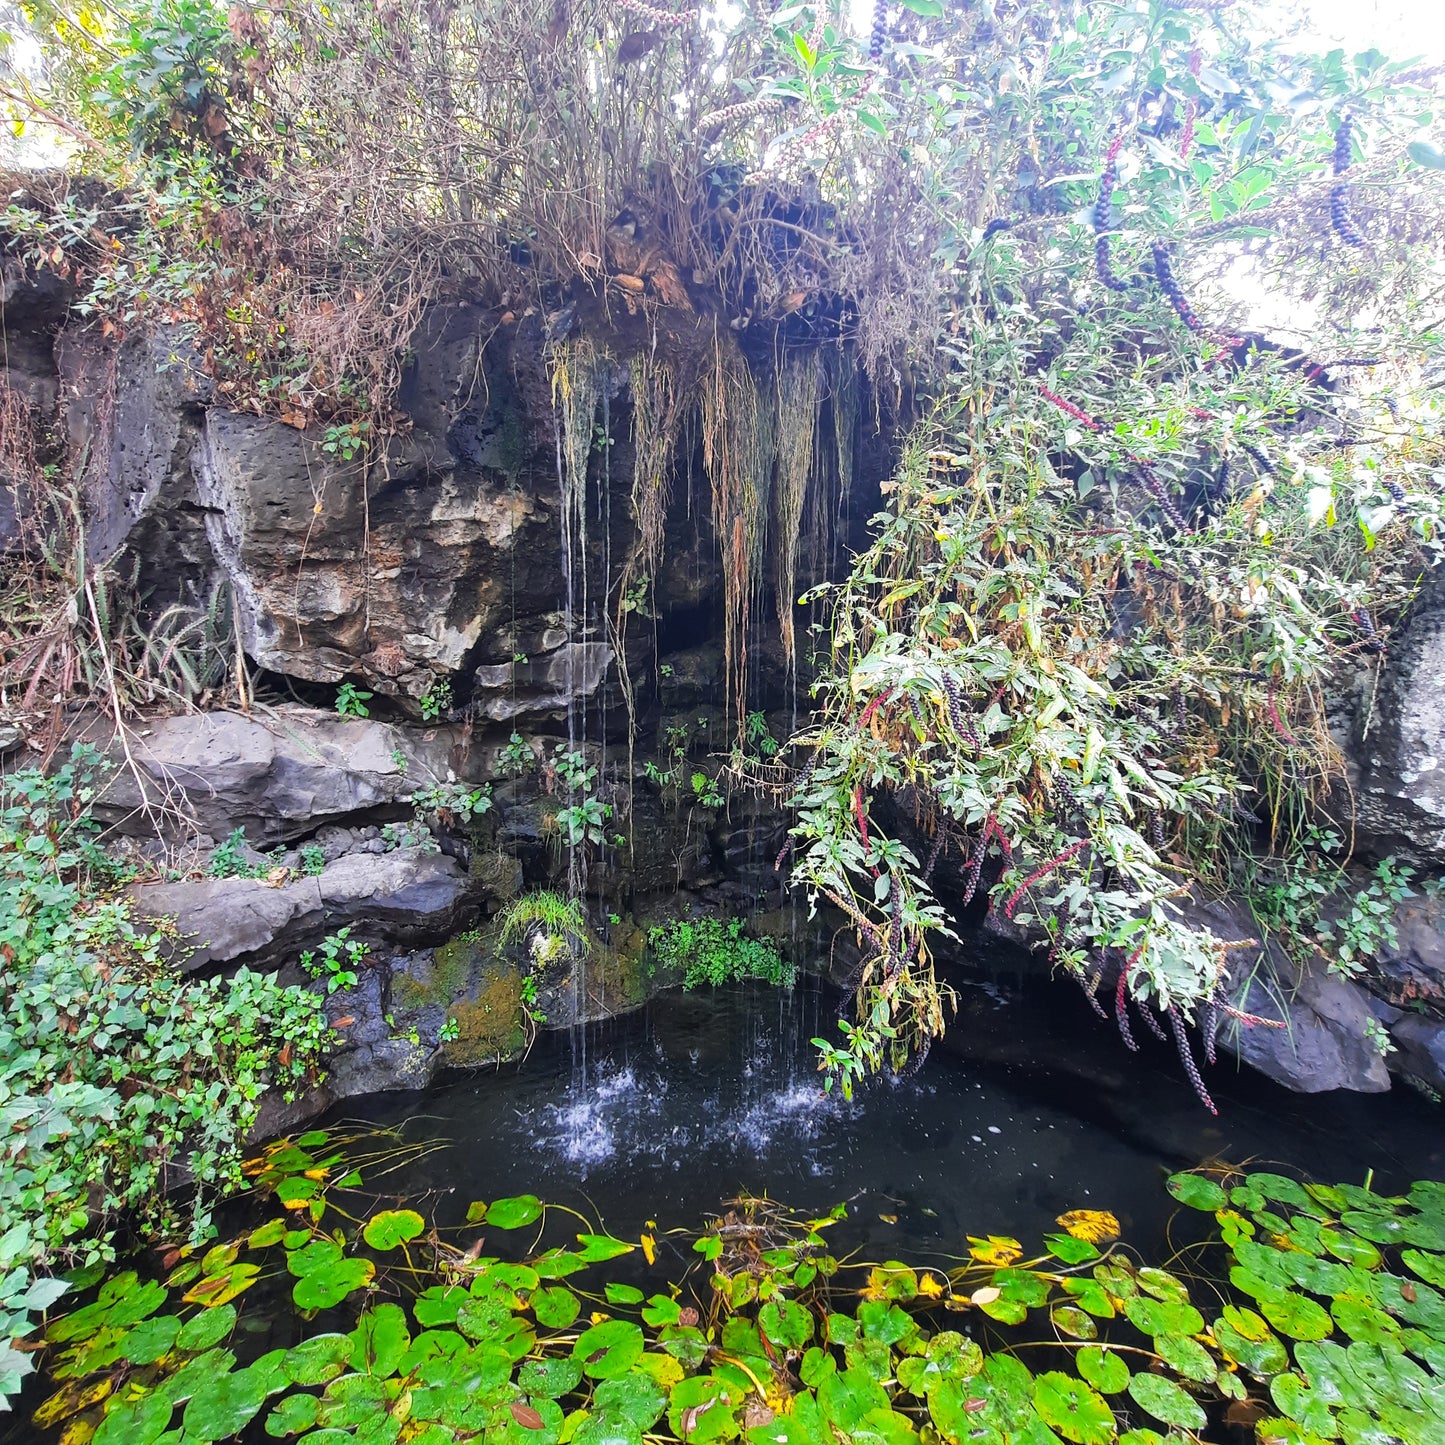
(525, 1415)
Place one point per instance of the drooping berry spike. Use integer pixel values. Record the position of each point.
(1186, 1055)
(1121, 1012)
(1169, 285)
(1107, 182)
(1071, 851)
(1396, 491)
(976, 866)
(1344, 145)
(1341, 219)
(958, 714)
(1105, 268)
(1365, 623)
(934, 853)
(879, 36)
(1259, 456)
(1153, 483)
(1088, 985)
(1151, 1019)
(1209, 1029)
(1068, 406)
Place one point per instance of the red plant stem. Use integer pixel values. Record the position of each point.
(862, 823)
(874, 706)
(1071, 851)
(1250, 1020)
(1278, 721)
(1068, 406)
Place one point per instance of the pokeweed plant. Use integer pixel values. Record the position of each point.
(1083, 664)
(114, 1069)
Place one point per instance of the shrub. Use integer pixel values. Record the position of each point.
(711, 951)
(113, 1068)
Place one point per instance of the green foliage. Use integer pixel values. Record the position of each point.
(347, 440)
(712, 952)
(549, 924)
(516, 757)
(313, 860)
(351, 701)
(707, 791)
(228, 859)
(1316, 907)
(453, 802)
(113, 1068)
(1325, 1322)
(436, 700)
(341, 956)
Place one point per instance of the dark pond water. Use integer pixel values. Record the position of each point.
(1035, 1107)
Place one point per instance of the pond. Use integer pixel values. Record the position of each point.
(1033, 1107)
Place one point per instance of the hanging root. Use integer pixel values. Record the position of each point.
(1186, 1054)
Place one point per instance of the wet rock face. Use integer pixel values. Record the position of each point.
(277, 776)
(1395, 740)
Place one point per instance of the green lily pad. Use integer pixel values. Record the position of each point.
(208, 1328)
(1350, 1247)
(380, 1339)
(1262, 1357)
(555, 1307)
(330, 1283)
(293, 1415)
(1166, 1401)
(514, 1213)
(597, 1248)
(1360, 1320)
(136, 1422)
(317, 1360)
(551, 1378)
(1070, 1250)
(1156, 1317)
(223, 1405)
(151, 1339)
(702, 1409)
(1103, 1369)
(634, 1397)
(1072, 1321)
(608, 1349)
(786, 1323)
(1079, 1413)
(438, 1305)
(1297, 1316)
(1197, 1192)
(1186, 1357)
(392, 1227)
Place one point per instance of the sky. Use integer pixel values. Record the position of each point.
(1401, 28)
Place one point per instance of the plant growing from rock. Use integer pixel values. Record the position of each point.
(548, 924)
(351, 700)
(113, 1067)
(711, 951)
(341, 956)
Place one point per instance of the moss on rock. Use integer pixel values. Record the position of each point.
(490, 1024)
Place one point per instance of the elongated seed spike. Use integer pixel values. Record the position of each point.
(1186, 1055)
(1088, 985)
(1151, 1019)
(1121, 1012)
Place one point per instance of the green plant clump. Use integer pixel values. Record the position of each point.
(550, 925)
(709, 951)
(1309, 1313)
(114, 1069)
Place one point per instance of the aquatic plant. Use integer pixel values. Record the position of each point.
(1297, 1312)
(710, 951)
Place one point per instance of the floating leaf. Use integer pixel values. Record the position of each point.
(514, 1213)
(219, 1289)
(1103, 1369)
(786, 1323)
(1076, 1411)
(599, 1247)
(317, 1360)
(380, 1340)
(137, 1421)
(1097, 1226)
(392, 1227)
(995, 1249)
(1198, 1192)
(208, 1328)
(223, 1405)
(1074, 1322)
(1296, 1315)
(555, 1307)
(549, 1377)
(293, 1415)
(1070, 1250)
(1156, 1317)
(1166, 1401)
(151, 1339)
(608, 1349)
(1186, 1357)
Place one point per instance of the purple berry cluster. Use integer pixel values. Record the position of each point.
(1102, 207)
(880, 30)
(1396, 491)
(1169, 285)
(1340, 217)
(1152, 483)
(1366, 624)
(958, 713)
(1186, 1055)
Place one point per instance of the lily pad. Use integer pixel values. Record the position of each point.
(555, 1307)
(392, 1227)
(223, 1405)
(1198, 1192)
(1166, 1401)
(551, 1378)
(1103, 1369)
(1297, 1316)
(786, 1323)
(208, 1328)
(608, 1349)
(514, 1213)
(1076, 1411)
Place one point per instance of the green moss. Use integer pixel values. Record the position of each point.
(489, 1026)
(453, 967)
